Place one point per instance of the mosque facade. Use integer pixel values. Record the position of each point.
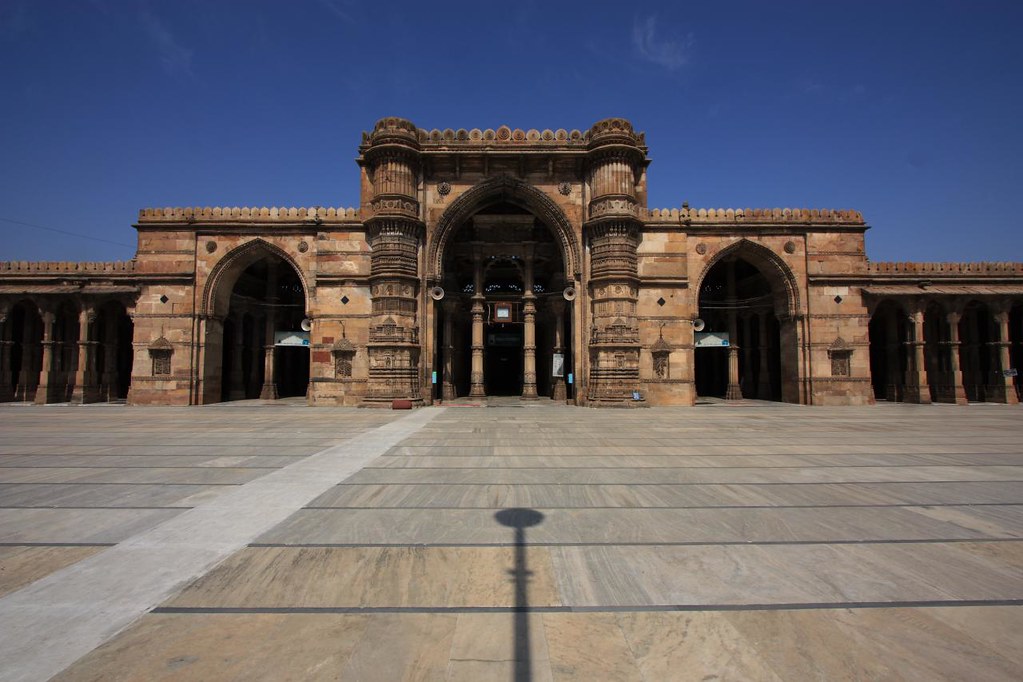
(523, 264)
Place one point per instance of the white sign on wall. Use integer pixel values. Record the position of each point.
(712, 340)
(291, 338)
(558, 366)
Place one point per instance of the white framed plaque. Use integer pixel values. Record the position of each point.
(558, 365)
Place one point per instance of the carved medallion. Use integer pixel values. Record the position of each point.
(701, 248)
(565, 188)
(444, 188)
(303, 247)
(790, 247)
(211, 246)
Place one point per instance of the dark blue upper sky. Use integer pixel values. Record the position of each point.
(907, 111)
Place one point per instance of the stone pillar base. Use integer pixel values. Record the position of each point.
(269, 392)
(917, 394)
(89, 393)
(734, 392)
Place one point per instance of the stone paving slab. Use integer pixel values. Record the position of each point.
(752, 541)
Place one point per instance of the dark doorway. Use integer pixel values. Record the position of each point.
(291, 366)
(502, 359)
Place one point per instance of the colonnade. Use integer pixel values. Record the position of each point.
(949, 351)
(531, 309)
(62, 350)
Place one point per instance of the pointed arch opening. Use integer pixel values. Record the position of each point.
(255, 301)
(504, 257)
(748, 300)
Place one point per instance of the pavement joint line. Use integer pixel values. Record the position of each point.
(51, 623)
(653, 543)
(637, 608)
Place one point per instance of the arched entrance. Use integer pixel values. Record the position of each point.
(749, 346)
(888, 331)
(504, 255)
(255, 347)
(506, 280)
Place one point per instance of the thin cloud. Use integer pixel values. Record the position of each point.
(670, 53)
(175, 57)
(339, 9)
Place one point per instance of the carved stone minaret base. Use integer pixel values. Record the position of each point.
(615, 158)
(394, 230)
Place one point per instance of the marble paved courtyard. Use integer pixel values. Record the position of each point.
(747, 541)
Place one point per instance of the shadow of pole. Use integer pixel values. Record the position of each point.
(520, 519)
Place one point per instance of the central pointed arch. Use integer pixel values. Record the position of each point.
(778, 274)
(503, 188)
(225, 273)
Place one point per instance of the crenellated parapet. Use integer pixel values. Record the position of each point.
(755, 216)
(67, 268)
(503, 135)
(225, 214)
(983, 269)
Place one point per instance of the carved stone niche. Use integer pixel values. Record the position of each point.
(661, 353)
(841, 358)
(343, 352)
(160, 351)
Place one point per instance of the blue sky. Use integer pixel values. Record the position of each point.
(907, 111)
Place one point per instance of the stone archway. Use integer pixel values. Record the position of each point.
(749, 294)
(503, 189)
(504, 253)
(255, 291)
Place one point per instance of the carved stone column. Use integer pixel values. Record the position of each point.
(558, 389)
(615, 157)
(237, 389)
(46, 372)
(734, 391)
(85, 388)
(477, 388)
(917, 388)
(395, 230)
(764, 344)
(6, 346)
(269, 390)
(958, 391)
(1002, 389)
(529, 332)
(449, 308)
